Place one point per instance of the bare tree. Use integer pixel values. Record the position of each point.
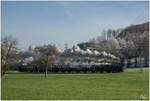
(8, 53)
(142, 45)
(48, 52)
(121, 48)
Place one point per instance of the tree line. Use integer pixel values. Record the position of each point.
(10, 57)
(127, 44)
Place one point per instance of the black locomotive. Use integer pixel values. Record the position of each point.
(67, 68)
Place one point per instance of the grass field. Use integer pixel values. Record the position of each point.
(130, 84)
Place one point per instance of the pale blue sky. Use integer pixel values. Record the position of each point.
(41, 22)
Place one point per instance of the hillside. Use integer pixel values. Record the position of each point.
(134, 29)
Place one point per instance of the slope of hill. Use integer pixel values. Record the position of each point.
(139, 28)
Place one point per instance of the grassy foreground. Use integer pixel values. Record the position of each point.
(130, 84)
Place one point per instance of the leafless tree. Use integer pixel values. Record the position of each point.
(47, 52)
(142, 46)
(121, 48)
(8, 53)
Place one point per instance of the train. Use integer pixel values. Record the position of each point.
(80, 68)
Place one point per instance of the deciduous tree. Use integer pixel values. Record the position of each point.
(8, 53)
(47, 52)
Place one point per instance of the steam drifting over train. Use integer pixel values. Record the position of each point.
(77, 60)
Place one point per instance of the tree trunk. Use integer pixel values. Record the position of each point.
(146, 61)
(46, 72)
(2, 74)
(3, 70)
(51, 67)
(135, 63)
(122, 63)
(46, 67)
(141, 65)
(128, 63)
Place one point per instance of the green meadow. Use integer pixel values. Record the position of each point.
(128, 85)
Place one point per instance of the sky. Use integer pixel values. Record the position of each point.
(68, 22)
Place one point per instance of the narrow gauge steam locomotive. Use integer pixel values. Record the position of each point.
(59, 68)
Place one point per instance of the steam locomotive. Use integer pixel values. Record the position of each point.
(80, 68)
